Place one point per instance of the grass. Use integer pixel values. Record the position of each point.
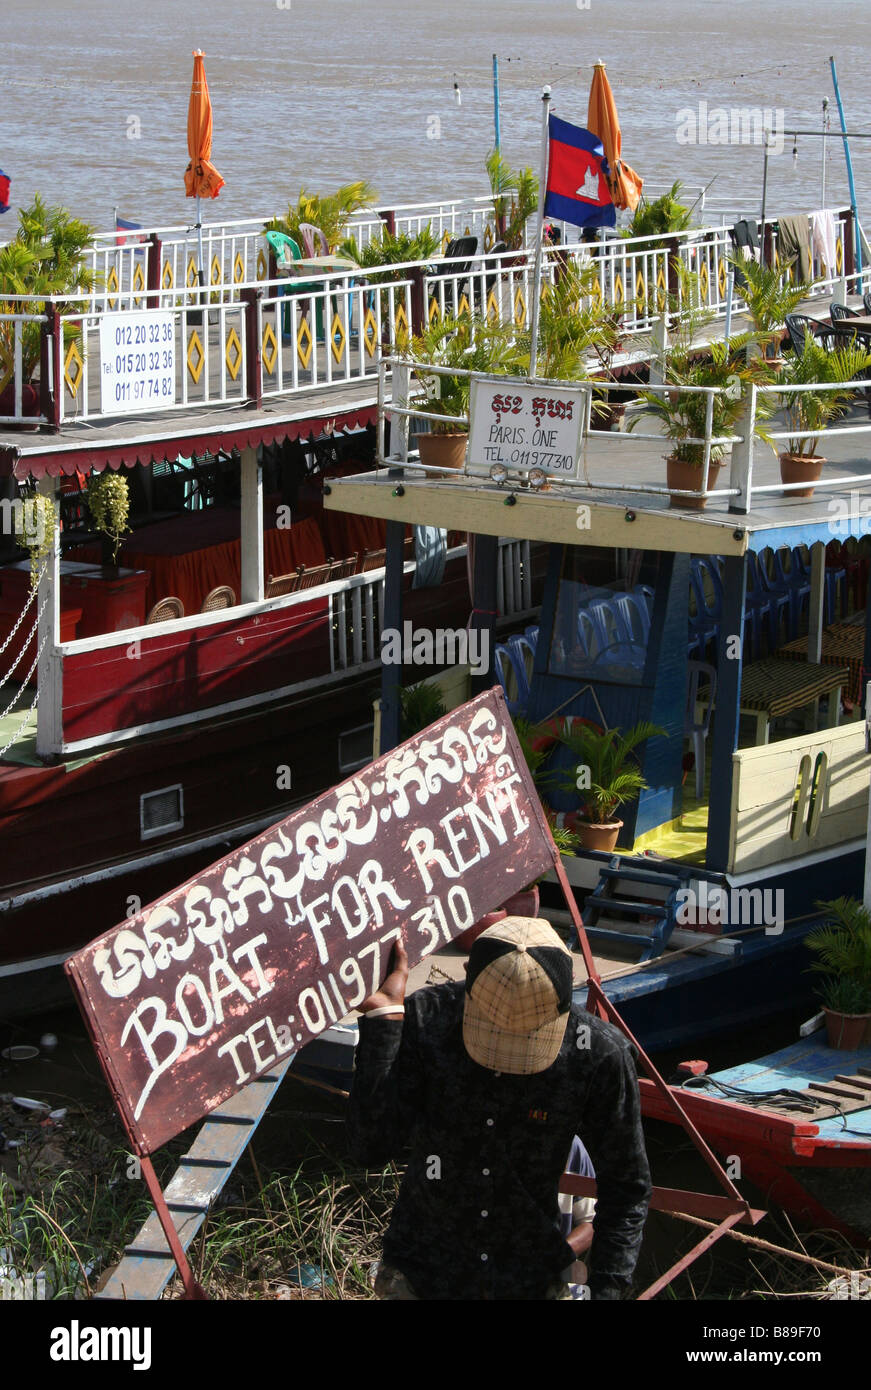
(298, 1221)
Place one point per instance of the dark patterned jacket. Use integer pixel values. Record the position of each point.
(477, 1214)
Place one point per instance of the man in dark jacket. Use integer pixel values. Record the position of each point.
(487, 1083)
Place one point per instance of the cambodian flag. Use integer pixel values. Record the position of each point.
(4, 191)
(577, 188)
(122, 225)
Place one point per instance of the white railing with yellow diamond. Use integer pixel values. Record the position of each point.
(331, 329)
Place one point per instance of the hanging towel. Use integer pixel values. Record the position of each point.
(823, 238)
(744, 235)
(794, 243)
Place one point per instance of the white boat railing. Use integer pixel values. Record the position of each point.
(331, 330)
(354, 613)
(740, 490)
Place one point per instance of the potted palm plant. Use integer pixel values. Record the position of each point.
(843, 948)
(813, 410)
(769, 298)
(515, 198)
(468, 345)
(606, 772)
(682, 412)
(44, 258)
(330, 213)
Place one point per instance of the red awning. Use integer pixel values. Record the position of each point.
(61, 457)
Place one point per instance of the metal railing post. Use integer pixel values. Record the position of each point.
(253, 356)
(152, 274)
(418, 300)
(50, 374)
(741, 472)
(659, 357)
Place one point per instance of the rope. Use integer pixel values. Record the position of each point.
(781, 1099)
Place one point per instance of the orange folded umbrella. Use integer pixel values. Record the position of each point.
(623, 182)
(201, 178)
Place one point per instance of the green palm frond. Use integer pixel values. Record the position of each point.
(814, 410)
(843, 944)
(768, 295)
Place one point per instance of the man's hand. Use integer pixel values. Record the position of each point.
(392, 990)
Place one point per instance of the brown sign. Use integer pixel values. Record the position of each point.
(210, 985)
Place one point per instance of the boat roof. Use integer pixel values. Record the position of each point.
(131, 440)
(639, 521)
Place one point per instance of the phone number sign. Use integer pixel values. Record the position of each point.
(519, 426)
(209, 986)
(137, 361)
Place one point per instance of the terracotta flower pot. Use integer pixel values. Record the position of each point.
(688, 478)
(798, 468)
(602, 837)
(847, 1032)
(467, 938)
(30, 404)
(523, 904)
(443, 450)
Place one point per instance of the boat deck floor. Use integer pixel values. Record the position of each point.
(809, 1059)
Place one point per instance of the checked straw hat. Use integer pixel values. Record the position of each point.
(518, 996)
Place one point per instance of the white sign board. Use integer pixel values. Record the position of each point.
(518, 425)
(137, 361)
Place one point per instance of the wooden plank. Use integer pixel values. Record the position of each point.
(462, 506)
(147, 1265)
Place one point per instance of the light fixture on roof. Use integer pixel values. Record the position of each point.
(536, 478)
(498, 473)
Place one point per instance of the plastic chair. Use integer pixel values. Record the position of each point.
(798, 326)
(313, 240)
(523, 657)
(766, 599)
(286, 252)
(694, 730)
(635, 613)
(705, 623)
(796, 582)
(508, 677)
(285, 249)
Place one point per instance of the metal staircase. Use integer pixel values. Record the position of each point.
(624, 897)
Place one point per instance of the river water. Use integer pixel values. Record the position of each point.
(95, 95)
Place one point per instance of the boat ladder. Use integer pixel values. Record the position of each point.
(633, 905)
